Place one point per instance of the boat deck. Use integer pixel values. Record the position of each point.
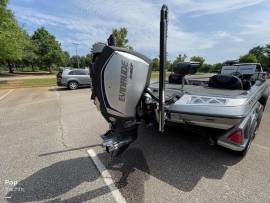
(202, 90)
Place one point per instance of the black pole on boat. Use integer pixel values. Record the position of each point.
(162, 65)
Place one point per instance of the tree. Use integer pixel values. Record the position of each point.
(3, 3)
(168, 65)
(259, 52)
(73, 61)
(17, 48)
(82, 61)
(205, 68)
(262, 54)
(155, 64)
(66, 61)
(88, 59)
(248, 58)
(12, 37)
(179, 59)
(266, 62)
(216, 68)
(29, 56)
(121, 37)
(48, 48)
(199, 59)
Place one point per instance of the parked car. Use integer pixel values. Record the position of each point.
(73, 78)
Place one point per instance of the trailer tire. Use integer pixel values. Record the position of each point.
(260, 115)
(264, 98)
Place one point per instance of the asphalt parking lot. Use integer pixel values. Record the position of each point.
(46, 132)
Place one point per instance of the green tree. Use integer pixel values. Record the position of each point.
(180, 58)
(266, 62)
(88, 59)
(121, 37)
(199, 59)
(66, 61)
(12, 37)
(3, 3)
(205, 68)
(248, 58)
(262, 54)
(29, 56)
(82, 61)
(259, 52)
(74, 61)
(216, 68)
(169, 65)
(49, 50)
(155, 64)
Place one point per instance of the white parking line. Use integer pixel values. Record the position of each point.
(3, 96)
(118, 197)
(260, 146)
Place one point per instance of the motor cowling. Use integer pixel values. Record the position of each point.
(119, 78)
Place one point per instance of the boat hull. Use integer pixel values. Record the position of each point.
(223, 123)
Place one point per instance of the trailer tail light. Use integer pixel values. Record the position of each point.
(236, 137)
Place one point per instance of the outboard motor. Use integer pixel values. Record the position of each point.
(119, 78)
(120, 81)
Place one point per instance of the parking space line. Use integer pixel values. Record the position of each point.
(260, 146)
(5, 95)
(107, 178)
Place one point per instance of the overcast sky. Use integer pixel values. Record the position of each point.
(215, 29)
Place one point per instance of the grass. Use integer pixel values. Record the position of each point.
(26, 69)
(38, 82)
(155, 75)
(47, 82)
(24, 83)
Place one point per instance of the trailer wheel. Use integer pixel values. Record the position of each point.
(260, 114)
(264, 98)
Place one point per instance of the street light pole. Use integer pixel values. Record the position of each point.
(76, 47)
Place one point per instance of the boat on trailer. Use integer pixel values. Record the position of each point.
(232, 101)
(233, 104)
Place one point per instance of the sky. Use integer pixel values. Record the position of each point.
(218, 30)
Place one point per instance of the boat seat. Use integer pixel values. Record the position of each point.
(246, 84)
(225, 82)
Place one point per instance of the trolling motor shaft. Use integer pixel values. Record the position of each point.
(162, 65)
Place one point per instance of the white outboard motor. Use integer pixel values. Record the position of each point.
(120, 81)
(119, 78)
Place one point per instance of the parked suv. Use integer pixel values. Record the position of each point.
(73, 78)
